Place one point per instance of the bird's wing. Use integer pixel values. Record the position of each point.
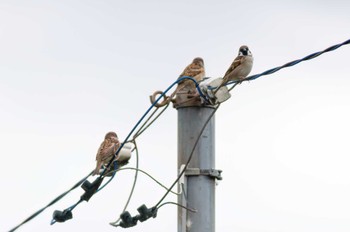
(101, 150)
(200, 75)
(185, 71)
(235, 64)
(108, 152)
(191, 70)
(98, 155)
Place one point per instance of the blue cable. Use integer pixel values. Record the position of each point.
(110, 179)
(292, 63)
(197, 86)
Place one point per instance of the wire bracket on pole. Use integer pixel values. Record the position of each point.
(209, 88)
(213, 173)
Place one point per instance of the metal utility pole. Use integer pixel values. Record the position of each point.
(198, 184)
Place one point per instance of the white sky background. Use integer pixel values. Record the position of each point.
(70, 71)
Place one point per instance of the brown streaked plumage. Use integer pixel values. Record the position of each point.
(240, 67)
(194, 70)
(106, 151)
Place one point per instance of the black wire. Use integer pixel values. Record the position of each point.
(233, 87)
(145, 127)
(150, 176)
(174, 203)
(51, 203)
(133, 185)
(138, 132)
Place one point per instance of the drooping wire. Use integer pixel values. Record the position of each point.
(174, 203)
(134, 183)
(150, 176)
(144, 127)
(190, 156)
(52, 202)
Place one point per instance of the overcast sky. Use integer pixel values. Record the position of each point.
(70, 71)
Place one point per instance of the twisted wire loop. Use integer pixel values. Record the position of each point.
(194, 97)
(166, 99)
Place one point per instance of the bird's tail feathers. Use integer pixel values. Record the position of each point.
(97, 170)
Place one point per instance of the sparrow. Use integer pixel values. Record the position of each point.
(106, 151)
(194, 70)
(240, 67)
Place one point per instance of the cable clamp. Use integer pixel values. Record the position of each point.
(61, 216)
(90, 188)
(214, 173)
(145, 213)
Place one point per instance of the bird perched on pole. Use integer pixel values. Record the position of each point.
(194, 70)
(240, 67)
(106, 151)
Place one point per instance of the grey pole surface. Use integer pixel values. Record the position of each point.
(199, 190)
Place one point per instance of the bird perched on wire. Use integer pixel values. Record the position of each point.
(240, 67)
(194, 70)
(106, 151)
